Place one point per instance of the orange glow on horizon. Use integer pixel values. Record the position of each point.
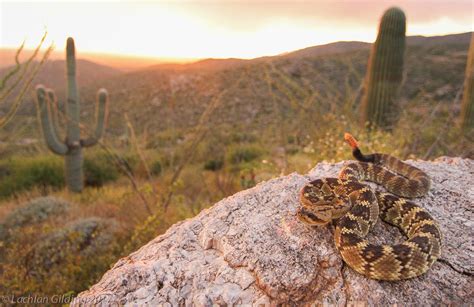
(176, 31)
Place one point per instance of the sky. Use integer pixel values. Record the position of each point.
(219, 28)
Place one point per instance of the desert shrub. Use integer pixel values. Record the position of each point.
(26, 173)
(238, 137)
(4, 171)
(291, 139)
(170, 158)
(165, 138)
(98, 170)
(64, 260)
(85, 237)
(243, 154)
(35, 211)
(45, 173)
(292, 149)
(214, 164)
(160, 221)
(247, 178)
(130, 161)
(156, 168)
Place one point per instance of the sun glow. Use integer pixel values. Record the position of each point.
(173, 30)
(443, 25)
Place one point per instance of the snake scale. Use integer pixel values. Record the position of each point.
(358, 208)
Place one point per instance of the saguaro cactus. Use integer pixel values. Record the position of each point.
(385, 71)
(467, 108)
(71, 147)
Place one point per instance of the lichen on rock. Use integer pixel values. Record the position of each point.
(250, 248)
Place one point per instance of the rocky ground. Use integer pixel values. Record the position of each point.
(251, 249)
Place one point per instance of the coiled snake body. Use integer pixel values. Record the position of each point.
(358, 207)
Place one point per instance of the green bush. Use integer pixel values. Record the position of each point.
(243, 154)
(35, 211)
(170, 158)
(165, 138)
(21, 174)
(4, 171)
(292, 150)
(25, 173)
(130, 161)
(98, 170)
(156, 168)
(238, 137)
(214, 164)
(291, 139)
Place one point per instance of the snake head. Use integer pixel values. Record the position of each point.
(317, 190)
(320, 203)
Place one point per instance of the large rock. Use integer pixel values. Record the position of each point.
(251, 249)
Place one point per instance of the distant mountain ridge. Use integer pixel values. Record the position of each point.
(124, 63)
(331, 48)
(53, 74)
(337, 47)
(254, 92)
(460, 38)
(128, 63)
(345, 46)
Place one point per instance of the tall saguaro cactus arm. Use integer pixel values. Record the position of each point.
(467, 107)
(101, 115)
(385, 70)
(73, 105)
(47, 122)
(53, 103)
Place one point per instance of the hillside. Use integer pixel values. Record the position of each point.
(255, 96)
(54, 71)
(461, 38)
(254, 89)
(327, 49)
(53, 75)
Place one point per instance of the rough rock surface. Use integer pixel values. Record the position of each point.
(250, 249)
